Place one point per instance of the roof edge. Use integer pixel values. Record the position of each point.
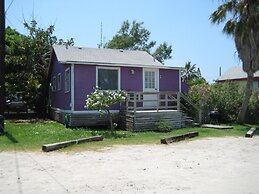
(119, 64)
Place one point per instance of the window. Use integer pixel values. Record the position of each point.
(108, 78)
(150, 79)
(54, 84)
(59, 82)
(67, 80)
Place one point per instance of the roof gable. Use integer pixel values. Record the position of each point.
(235, 73)
(83, 55)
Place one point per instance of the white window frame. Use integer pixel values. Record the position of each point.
(110, 68)
(59, 82)
(67, 84)
(54, 84)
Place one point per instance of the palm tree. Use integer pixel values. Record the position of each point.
(189, 72)
(243, 25)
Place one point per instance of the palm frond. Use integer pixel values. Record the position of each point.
(220, 14)
(230, 27)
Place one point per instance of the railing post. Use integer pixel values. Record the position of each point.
(166, 101)
(127, 102)
(135, 102)
(158, 102)
(178, 101)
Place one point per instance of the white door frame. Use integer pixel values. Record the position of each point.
(156, 80)
(156, 89)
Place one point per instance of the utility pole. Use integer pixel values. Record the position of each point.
(101, 42)
(2, 56)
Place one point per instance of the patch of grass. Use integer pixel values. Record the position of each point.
(31, 136)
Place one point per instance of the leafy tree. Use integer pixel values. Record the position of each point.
(28, 62)
(190, 73)
(103, 100)
(135, 37)
(163, 52)
(243, 24)
(42, 41)
(19, 75)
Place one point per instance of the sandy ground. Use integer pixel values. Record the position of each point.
(214, 165)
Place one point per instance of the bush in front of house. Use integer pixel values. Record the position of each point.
(252, 115)
(102, 100)
(226, 98)
(199, 94)
(163, 126)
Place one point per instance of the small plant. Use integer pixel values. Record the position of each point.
(102, 101)
(163, 126)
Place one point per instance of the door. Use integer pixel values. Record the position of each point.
(150, 84)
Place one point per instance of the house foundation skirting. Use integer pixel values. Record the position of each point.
(138, 121)
(82, 118)
(145, 120)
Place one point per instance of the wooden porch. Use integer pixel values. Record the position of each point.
(143, 109)
(140, 112)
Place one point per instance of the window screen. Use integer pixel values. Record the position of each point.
(108, 79)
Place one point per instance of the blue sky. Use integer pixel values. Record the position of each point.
(183, 24)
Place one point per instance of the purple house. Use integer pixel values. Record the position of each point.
(75, 71)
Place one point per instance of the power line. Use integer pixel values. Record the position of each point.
(9, 6)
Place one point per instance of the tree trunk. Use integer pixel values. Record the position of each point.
(110, 119)
(246, 98)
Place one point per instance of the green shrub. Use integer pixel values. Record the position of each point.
(163, 126)
(199, 95)
(227, 99)
(252, 114)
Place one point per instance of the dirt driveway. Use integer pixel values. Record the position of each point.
(214, 165)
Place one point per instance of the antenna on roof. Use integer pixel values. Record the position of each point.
(101, 43)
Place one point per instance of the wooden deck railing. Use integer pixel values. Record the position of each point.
(138, 101)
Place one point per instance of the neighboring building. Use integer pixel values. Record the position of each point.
(75, 71)
(237, 74)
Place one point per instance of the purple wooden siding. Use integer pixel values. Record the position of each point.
(60, 99)
(131, 79)
(168, 80)
(85, 81)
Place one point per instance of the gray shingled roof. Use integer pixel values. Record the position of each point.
(235, 73)
(100, 56)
